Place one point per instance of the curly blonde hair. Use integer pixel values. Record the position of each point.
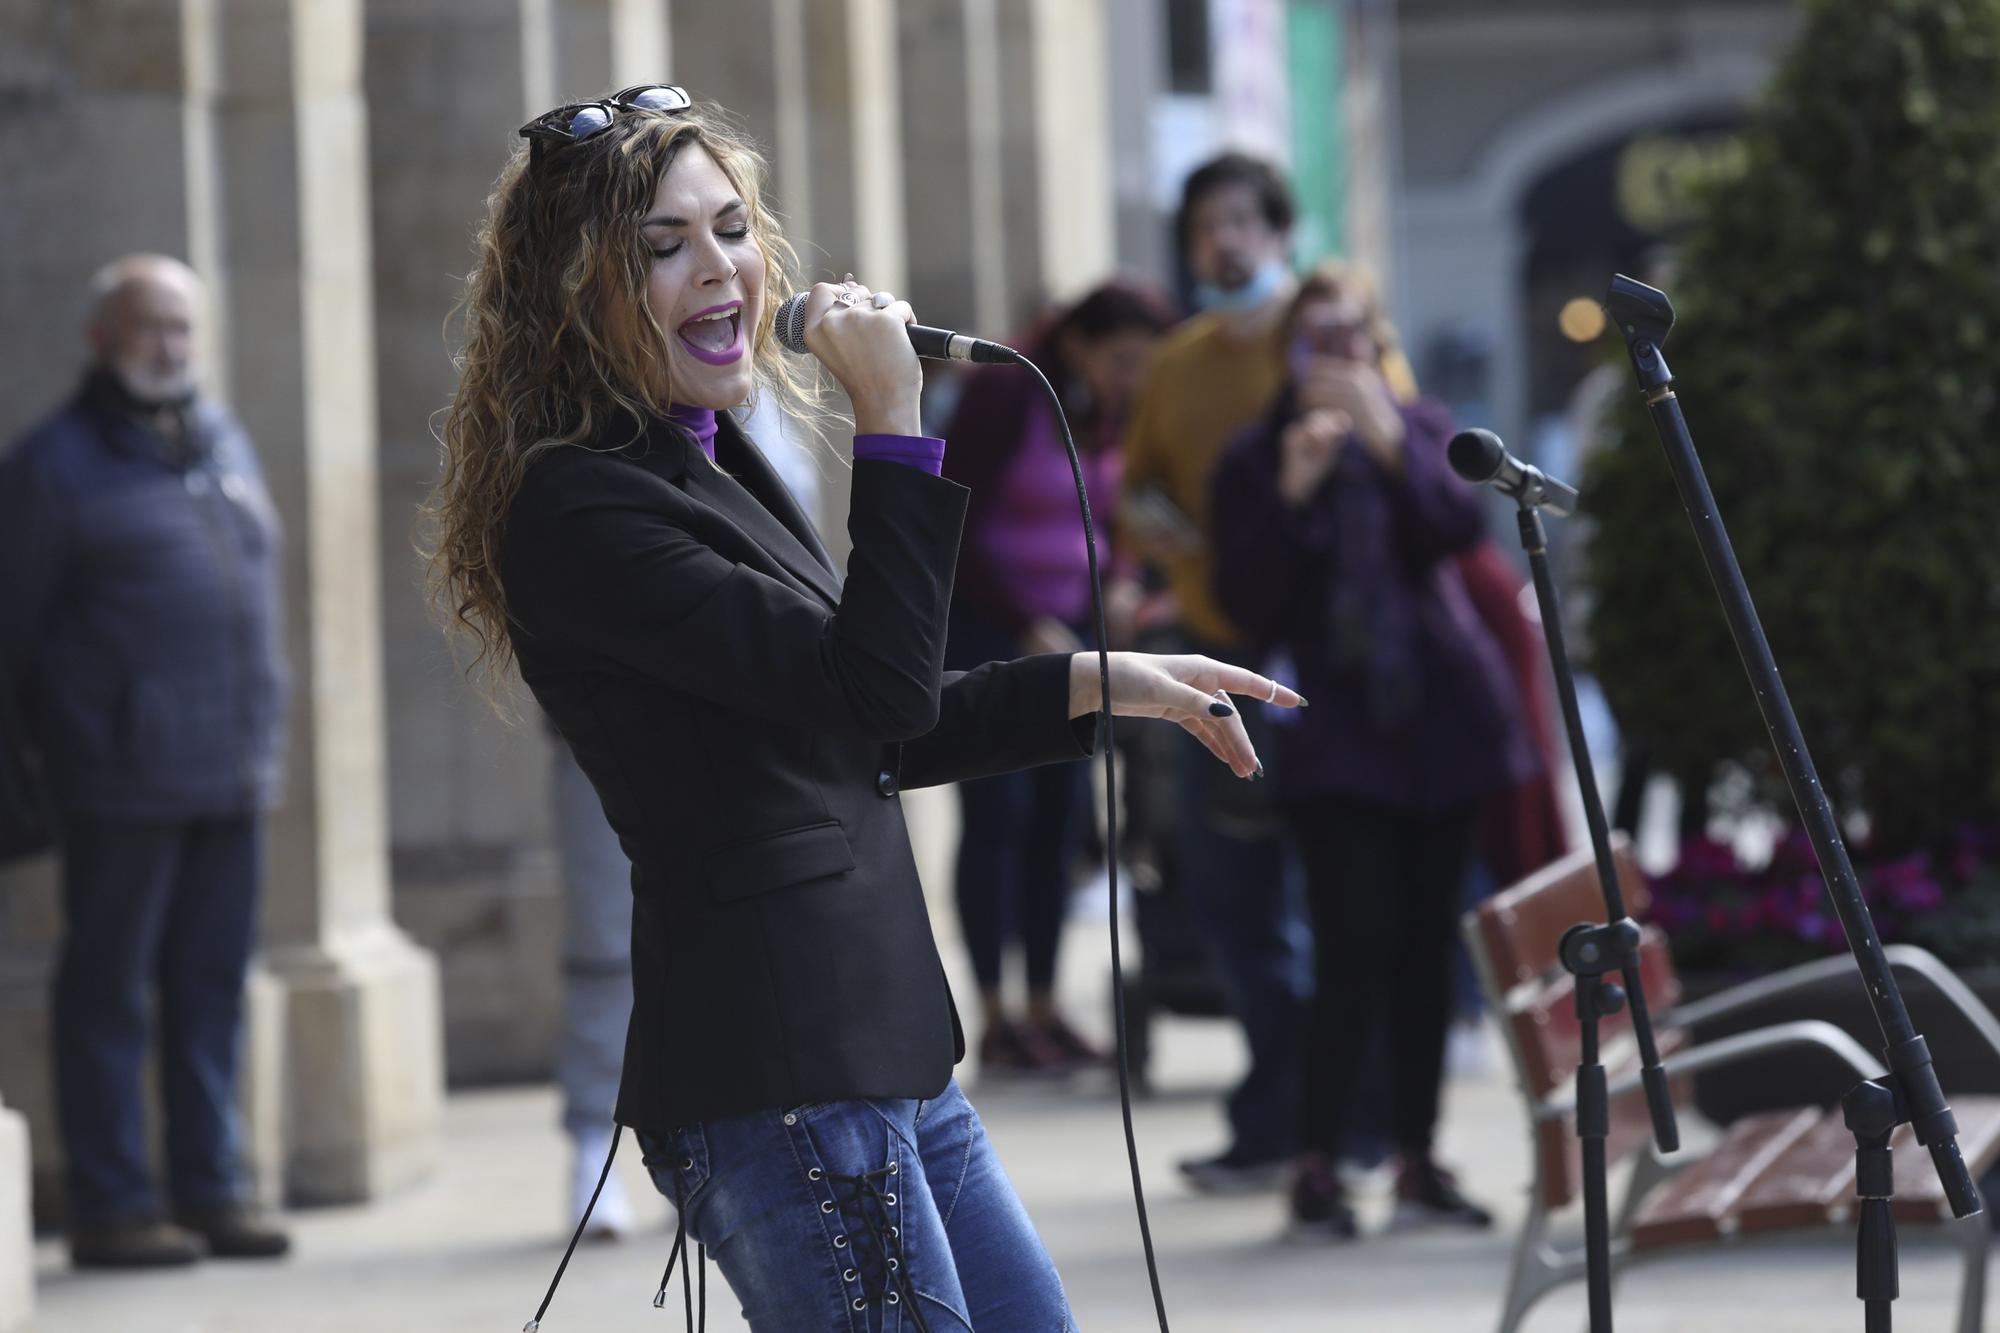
(559, 344)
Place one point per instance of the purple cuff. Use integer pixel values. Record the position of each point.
(924, 451)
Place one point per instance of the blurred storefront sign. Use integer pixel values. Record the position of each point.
(1655, 175)
(1252, 75)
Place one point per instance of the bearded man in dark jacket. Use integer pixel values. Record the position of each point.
(141, 655)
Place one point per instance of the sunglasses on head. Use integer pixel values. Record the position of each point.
(577, 121)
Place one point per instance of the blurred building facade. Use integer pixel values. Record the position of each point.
(323, 163)
(1545, 144)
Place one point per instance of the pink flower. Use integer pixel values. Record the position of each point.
(1907, 885)
(1793, 854)
(1671, 913)
(1974, 851)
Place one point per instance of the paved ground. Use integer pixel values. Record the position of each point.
(472, 1249)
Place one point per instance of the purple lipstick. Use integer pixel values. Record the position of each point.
(715, 335)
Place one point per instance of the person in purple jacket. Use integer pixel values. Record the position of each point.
(1336, 523)
(1024, 587)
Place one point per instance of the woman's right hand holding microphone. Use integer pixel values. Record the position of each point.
(862, 344)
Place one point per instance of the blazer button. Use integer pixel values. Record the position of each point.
(885, 783)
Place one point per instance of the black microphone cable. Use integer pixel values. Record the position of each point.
(1110, 819)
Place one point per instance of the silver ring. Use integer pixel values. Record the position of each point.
(1272, 697)
(845, 296)
(883, 300)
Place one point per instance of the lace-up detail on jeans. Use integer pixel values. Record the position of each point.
(697, 1315)
(877, 1267)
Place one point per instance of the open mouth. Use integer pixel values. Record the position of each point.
(715, 336)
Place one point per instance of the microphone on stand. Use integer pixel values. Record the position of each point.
(932, 344)
(1478, 455)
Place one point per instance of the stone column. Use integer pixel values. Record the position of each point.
(951, 115)
(17, 1250)
(469, 847)
(604, 45)
(852, 86)
(1006, 126)
(850, 90)
(1136, 80)
(1019, 147)
(1071, 89)
(279, 87)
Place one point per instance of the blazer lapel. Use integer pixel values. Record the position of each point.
(742, 485)
(741, 457)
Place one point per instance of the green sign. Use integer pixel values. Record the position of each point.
(1319, 129)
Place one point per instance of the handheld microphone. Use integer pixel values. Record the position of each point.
(933, 344)
(1478, 455)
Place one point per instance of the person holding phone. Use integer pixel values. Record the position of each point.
(1337, 530)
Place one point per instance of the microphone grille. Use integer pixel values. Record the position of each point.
(1476, 454)
(791, 323)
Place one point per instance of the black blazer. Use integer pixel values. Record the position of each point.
(748, 722)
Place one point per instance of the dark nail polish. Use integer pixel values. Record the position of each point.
(1304, 702)
(1221, 709)
(1258, 776)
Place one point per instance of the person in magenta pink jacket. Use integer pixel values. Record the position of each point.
(1023, 586)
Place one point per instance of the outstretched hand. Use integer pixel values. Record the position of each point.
(1190, 690)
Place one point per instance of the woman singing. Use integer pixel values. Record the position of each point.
(747, 719)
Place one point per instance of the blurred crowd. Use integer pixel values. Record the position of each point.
(1270, 489)
(1279, 499)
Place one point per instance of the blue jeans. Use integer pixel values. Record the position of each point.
(844, 1215)
(166, 908)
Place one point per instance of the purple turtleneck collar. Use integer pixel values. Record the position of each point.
(698, 422)
(921, 451)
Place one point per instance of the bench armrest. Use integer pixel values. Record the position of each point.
(1905, 958)
(1744, 1045)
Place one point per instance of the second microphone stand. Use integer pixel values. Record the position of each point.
(1592, 953)
(1910, 1092)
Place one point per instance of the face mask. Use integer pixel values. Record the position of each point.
(1264, 284)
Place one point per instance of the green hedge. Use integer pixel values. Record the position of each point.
(1838, 353)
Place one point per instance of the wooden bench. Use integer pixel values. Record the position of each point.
(1780, 1173)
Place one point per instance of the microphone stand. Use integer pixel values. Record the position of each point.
(1910, 1091)
(1590, 953)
